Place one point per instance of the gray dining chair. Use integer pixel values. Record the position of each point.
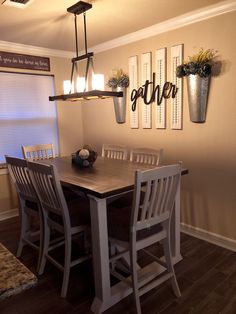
(38, 151)
(143, 224)
(69, 219)
(31, 233)
(147, 156)
(114, 151)
(43, 152)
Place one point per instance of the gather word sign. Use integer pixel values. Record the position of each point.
(157, 93)
(16, 60)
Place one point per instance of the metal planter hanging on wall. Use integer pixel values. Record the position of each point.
(120, 104)
(197, 97)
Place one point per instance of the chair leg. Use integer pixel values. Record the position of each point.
(46, 241)
(87, 241)
(41, 239)
(134, 273)
(170, 268)
(24, 227)
(67, 264)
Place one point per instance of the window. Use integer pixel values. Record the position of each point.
(26, 115)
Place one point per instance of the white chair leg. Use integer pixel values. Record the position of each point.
(41, 239)
(24, 227)
(87, 241)
(134, 272)
(46, 241)
(170, 268)
(67, 263)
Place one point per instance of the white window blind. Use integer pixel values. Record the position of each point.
(26, 115)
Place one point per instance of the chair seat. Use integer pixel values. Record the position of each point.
(119, 224)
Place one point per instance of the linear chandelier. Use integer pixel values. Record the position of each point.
(89, 86)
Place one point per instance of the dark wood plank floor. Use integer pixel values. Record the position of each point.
(206, 275)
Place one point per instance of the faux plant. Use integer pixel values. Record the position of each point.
(118, 79)
(200, 63)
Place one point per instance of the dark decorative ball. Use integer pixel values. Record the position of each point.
(84, 157)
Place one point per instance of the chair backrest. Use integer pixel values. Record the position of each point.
(154, 204)
(48, 188)
(114, 151)
(146, 156)
(20, 176)
(39, 151)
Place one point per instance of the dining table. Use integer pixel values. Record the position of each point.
(106, 179)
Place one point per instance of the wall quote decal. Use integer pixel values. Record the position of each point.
(22, 61)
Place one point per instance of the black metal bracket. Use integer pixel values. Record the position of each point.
(79, 8)
(76, 9)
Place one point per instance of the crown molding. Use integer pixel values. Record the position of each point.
(34, 50)
(156, 29)
(169, 25)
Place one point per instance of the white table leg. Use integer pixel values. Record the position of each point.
(98, 212)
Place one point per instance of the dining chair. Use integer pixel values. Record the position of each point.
(143, 156)
(146, 156)
(30, 211)
(114, 151)
(47, 151)
(149, 222)
(69, 219)
(39, 151)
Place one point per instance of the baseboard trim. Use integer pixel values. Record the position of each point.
(10, 213)
(211, 237)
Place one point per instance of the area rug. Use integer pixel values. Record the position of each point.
(14, 276)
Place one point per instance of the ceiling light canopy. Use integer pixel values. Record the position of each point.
(89, 86)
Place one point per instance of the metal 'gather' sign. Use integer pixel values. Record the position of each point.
(21, 61)
(168, 90)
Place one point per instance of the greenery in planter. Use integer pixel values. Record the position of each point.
(118, 79)
(200, 63)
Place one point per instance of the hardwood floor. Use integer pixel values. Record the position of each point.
(206, 276)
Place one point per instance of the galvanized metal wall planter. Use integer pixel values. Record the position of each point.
(198, 71)
(197, 97)
(120, 104)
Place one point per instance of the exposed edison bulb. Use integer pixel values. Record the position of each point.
(67, 87)
(98, 82)
(80, 84)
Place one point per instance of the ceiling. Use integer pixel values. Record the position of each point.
(47, 24)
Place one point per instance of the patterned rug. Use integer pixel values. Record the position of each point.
(14, 276)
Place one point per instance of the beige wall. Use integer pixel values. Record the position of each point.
(8, 197)
(207, 150)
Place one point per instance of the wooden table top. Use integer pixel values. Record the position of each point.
(105, 178)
